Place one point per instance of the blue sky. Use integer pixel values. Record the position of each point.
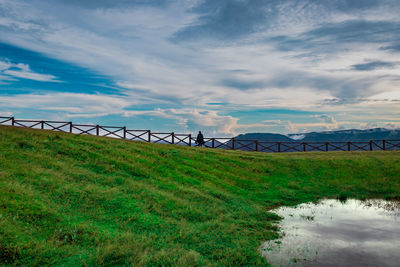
(221, 66)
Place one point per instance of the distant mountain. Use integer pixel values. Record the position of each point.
(331, 136)
(352, 135)
(268, 137)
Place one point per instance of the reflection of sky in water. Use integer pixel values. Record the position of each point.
(332, 233)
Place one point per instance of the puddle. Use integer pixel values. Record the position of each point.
(334, 233)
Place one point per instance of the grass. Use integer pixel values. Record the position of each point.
(81, 200)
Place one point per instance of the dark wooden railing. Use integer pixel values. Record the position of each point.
(188, 140)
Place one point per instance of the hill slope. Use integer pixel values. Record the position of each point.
(77, 200)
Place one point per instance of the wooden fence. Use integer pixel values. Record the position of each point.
(189, 140)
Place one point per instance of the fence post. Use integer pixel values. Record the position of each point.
(384, 144)
(190, 140)
(97, 130)
(42, 125)
(149, 137)
(348, 146)
(213, 142)
(279, 146)
(256, 145)
(173, 138)
(326, 146)
(233, 143)
(12, 121)
(124, 128)
(70, 126)
(370, 145)
(304, 147)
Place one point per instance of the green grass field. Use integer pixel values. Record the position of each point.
(81, 200)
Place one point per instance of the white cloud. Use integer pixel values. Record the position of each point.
(297, 136)
(31, 75)
(329, 121)
(67, 102)
(5, 65)
(6, 113)
(20, 70)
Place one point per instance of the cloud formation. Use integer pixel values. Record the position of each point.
(171, 59)
(20, 70)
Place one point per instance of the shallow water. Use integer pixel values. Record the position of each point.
(335, 233)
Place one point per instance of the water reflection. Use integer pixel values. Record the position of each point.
(335, 233)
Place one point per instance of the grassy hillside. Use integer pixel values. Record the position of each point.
(82, 200)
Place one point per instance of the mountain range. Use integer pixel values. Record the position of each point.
(351, 135)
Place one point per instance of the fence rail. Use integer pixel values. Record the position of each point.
(188, 140)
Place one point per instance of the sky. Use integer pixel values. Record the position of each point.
(221, 66)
